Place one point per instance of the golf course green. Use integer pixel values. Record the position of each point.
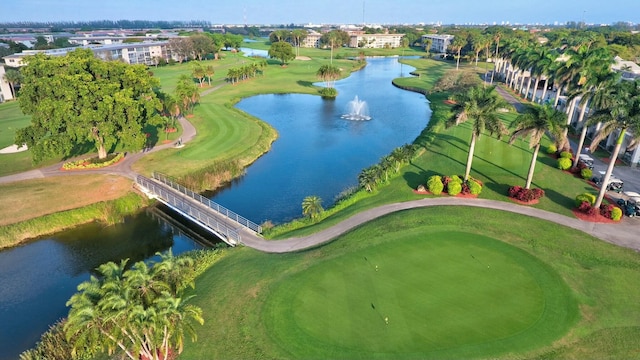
(434, 294)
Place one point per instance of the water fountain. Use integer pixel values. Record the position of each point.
(357, 110)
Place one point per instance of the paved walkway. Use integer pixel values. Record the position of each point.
(123, 168)
(624, 234)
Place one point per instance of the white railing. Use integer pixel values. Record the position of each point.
(208, 203)
(179, 203)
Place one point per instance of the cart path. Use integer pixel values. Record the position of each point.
(625, 233)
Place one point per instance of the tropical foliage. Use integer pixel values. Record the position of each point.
(139, 313)
(282, 51)
(534, 123)
(312, 206)
(481, 105)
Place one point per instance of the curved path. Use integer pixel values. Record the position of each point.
(123, 168)
(624, 234)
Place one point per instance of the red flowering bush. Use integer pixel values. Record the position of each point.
(525, 195)
(585, 207)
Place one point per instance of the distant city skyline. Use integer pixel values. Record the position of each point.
(327, 11)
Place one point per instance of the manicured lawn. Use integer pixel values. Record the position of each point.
(11, 119)
(453, 282)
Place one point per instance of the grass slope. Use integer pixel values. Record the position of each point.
(253, 302)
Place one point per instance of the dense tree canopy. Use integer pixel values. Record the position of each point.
(78, 99)
(282, 51)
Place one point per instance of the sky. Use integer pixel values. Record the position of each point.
(327, 11)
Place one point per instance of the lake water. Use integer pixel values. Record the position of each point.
(317, 153)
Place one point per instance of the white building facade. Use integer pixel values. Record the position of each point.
(5, 88)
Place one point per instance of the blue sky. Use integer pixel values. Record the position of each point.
(326, 11)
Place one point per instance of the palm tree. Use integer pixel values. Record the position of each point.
(199, 73)
(368, 179)
(456, 46)
(13, 77)
(481, 106)
(595, 94)
(329, 74)
(209, 70)
(535, 122)
(427, 45)
(312, 206)
(496, 37)
(621, 113)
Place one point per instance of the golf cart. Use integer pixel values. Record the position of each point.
(631, 206)
(586, 160)
(614, 184)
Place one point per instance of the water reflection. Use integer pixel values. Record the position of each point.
(37, 278)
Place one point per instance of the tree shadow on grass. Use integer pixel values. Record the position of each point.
(420, 177)
(453, 140)
(304, 83)
(559, 199)
(498, 188)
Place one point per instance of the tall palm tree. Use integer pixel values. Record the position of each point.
(456, 46)
(595, 94)
(481, 106)
(312, 206)
(329, 74)
(621, 113)
(535, 122)
(210, 71)
(496, 37)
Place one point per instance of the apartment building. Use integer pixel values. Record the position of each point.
(359, 39)
(5, 88)
(439, 43)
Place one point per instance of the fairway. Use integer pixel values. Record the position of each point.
(438, 295)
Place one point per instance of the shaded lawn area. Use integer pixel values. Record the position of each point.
(245, 295)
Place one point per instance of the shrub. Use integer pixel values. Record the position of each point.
(328, 93)
(435, 185)
(564, 163)
(590, 198)
(552, 149)
(616, 214)
(566, 155)
(93, 163)
(474, 187)
(586, 173)
(585, 207)
(454, 188)
(456, 178)
(525, 195)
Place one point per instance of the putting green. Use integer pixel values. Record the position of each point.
(443, 295)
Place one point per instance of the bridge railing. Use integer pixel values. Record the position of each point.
(178, 202)
(207, 202)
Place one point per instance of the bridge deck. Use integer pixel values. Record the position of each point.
(215, 218)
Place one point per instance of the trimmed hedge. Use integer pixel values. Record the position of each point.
(586, 173)
(564, 163)
(588, 197)
(552, 149)
(566, 155)
(93, 163)
(435, 185)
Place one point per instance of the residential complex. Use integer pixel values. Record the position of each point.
(5, 88)
(133, 53)
(358, 39)
(439, 43)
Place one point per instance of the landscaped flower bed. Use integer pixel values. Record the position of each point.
(586, 211)
(93, 163)
(452, 185)
(525, 196)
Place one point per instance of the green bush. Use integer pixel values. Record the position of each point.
(564, 163)
(454, 188)
(586, 173)
(590, 198)
(435, 185)
(552, 149)
(566, 155)
(616, 214)
(456, 178)
(328, 92)
(474, 187)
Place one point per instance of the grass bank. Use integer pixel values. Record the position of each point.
(239, 294)
(108, 212)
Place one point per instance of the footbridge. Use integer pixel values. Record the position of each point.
(209, 215)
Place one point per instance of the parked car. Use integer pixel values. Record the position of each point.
(586, 160)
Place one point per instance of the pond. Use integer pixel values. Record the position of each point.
(317, 153)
